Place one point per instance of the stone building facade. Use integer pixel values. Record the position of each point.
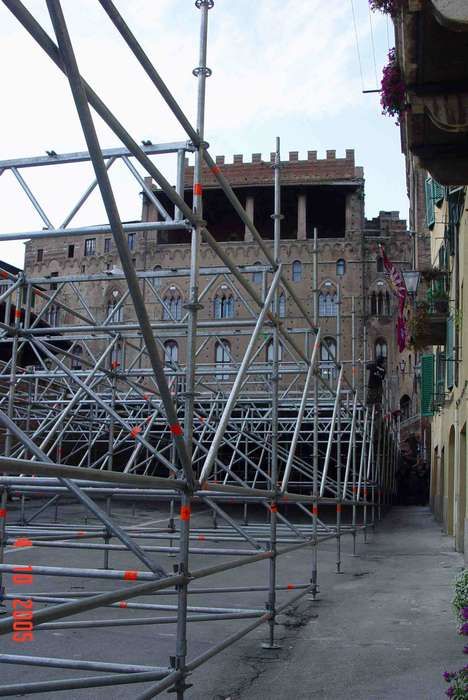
(326, 194)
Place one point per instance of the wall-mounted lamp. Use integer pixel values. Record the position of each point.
(412, 278)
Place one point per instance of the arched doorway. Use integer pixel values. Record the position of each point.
(461, 495)
(449, 490)
(440, 486)
(434, 469)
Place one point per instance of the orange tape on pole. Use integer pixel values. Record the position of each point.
(130, 575)
(18, 313)
(3, 513)
(135, 431)
(202, 538)
(4, 275)
(290, 586)
(273, 507)
(176, 429)
(185, 513)
(198, 189)
(314, 510)
(215, 170)
(338, 507)
(23, 542)
(123, 604)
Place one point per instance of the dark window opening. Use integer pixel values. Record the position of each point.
(223, 306)
(40, 254)
(71, 251)
(107, 245)
(326, 211)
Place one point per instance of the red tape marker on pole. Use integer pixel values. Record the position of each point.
(185, 513)
(130, 575)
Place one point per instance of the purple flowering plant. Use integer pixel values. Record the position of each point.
(458, 688)
(389, 7)
(393, 88)
(458, 680)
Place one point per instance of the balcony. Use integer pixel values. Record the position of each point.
(432, 50)
(428, 324)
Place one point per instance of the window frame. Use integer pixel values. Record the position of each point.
(89, 247)
(341, 267)
(169, 347)
(296, 271)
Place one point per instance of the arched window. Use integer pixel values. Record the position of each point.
(380, 348)
(269, 351)
(157, 280)
(257, 276)
(76, 361)
(222, 357)
(114, 316)
(340, 267)
(388, 306)
(223, 305)
(380, 303)
(282, 305)
(171, 352)
(53, 315)
(296, 271)
(405, 407)
(172, 305)
(328, 357)
(328, 304)
(373, 304)
(115, 358)
(380, 265)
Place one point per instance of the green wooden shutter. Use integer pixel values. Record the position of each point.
(449, 354)
(455, 210)
(438, 193)
(439, 395)
(427, 385)
(430, 215)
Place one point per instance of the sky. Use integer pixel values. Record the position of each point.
(287, 68)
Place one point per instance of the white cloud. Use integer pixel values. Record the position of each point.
(272, 60)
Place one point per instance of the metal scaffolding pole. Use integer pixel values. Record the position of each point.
(97, 415)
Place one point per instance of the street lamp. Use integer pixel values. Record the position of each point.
(411, 278)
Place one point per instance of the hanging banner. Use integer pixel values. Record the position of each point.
(399, 289)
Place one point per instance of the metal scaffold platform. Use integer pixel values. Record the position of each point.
(279, 454)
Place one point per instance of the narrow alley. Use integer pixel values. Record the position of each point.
(384, 629)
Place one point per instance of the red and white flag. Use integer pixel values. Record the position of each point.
(399, 289)
(396, 279)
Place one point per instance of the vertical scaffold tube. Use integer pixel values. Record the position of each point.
(9, 436)
(315, 456)
(271, 644)
(353, 435)
(338, 438)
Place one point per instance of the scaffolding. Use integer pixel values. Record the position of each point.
(93, 411)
